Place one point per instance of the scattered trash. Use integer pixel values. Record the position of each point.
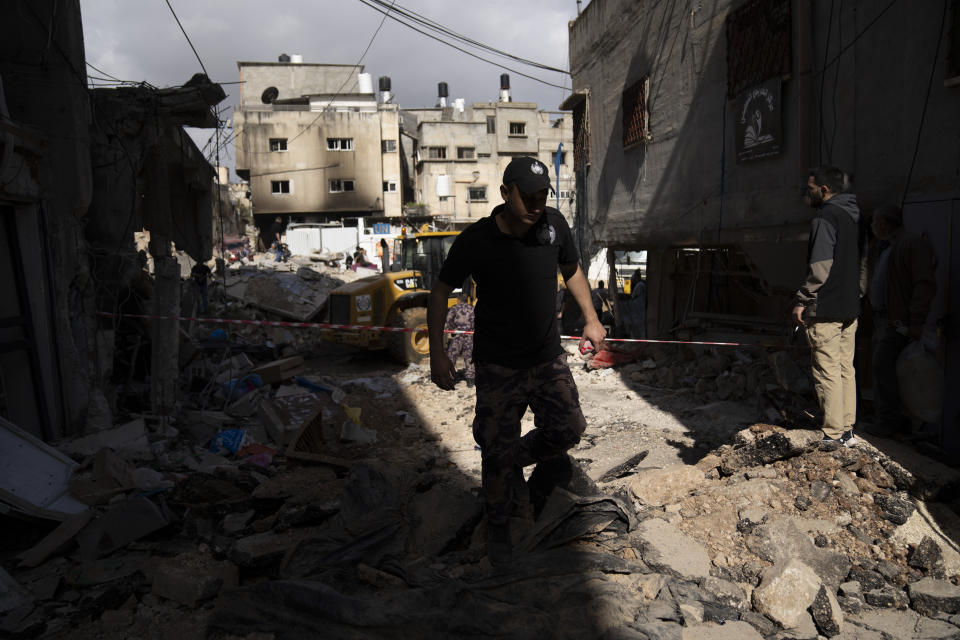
(230, 440)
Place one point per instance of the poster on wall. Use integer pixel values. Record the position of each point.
(757, 125)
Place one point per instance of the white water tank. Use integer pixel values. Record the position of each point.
(296, 58)
(443, 186)
(459, 104)
(365, 80)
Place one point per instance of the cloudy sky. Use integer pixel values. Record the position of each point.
(139, 40)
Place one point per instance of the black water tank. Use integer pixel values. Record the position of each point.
(283, 58)
(442, 90)
(504, 81)
(384, 83)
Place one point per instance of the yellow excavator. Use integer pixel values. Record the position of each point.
(394, 299)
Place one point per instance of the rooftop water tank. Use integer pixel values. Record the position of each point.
(365, 80)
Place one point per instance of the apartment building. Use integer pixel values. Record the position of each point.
(314, 143)
(461, 152)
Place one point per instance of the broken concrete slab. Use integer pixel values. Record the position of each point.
(657, 487)
(285, 294)
(94, 572)
(929, 597)
(786, 590)
(111, 475)
(264, 548)
(666, 548)
(129, 439)
(12, 595)
(55, 540)
(736, 630)
(190, 578)
(780, 540)
(285, 417)
(903, 625)
(121, 525)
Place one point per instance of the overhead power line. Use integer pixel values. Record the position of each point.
(439, 28)
(188, 38)
(350, 75)
(375, 7)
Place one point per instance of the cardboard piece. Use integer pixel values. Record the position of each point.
(280, 370)
(34, 476)
(309, 443)
(283, 417)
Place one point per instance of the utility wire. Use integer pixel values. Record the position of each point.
(866, 28)
(461, 49)
(926, 101)
(347, 78)
(439, 28)
(188, 38)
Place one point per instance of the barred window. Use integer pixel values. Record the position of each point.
(581, 135)
(635, 116)
(758, 43)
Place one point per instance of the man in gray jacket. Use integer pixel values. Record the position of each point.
(828, 303)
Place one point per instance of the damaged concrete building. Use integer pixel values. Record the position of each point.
(315, 144)
(695, 127)
(459, 152)
(83, 169)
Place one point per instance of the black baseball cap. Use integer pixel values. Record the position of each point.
(529, 174)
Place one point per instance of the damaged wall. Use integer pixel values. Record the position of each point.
(41, 63)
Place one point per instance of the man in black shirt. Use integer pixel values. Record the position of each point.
(513, 255)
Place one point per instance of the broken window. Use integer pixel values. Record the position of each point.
(518, 128)
(279, 186)
(278, 144)
(581, 134)
(389, 186)
(635, 116)
(436, 153)
(388, 146)
(758, 43)
(563, 158)
(338, 185)
(339, 144)
(491, 124)
(477, 193)
(567, 194)
(465, 153)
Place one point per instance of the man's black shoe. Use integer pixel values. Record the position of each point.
(499, 547)
(546, 476)
(848, 439)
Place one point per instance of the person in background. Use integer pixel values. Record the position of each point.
(902, 289)
(276, 235)
(460, 318)
(828, 302)
(199, 278)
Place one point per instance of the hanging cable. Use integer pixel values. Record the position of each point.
(347, 79)
(461, 49)
(926, 101)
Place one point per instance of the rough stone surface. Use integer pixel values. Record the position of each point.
(768, 447)
(786, 590)
(926, 555)
(657, 487)
(764, 625)
(781, 540)
(903, 625)
(438, 515)
(192, 577)
(867, 579)
(819, 490)
(826, 613)
(726, 593)
(886, 598)
(930, 597)
(737, 630)
(892, 508)
(666, 548)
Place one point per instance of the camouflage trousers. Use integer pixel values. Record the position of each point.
(461, 346)
(503, 396)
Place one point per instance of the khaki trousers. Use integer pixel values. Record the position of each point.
(832, 346)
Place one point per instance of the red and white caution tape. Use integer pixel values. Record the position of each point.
(362, 327)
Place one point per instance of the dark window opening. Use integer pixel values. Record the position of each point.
(635, 115)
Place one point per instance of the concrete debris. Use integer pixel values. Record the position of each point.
(656, 487)
(121, 525)
(130, 439)
(296, 296)
(786, 591)
(190, 578)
